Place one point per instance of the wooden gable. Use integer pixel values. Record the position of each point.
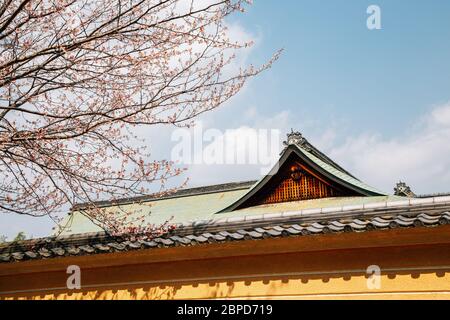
(302, 173)
(294, 181)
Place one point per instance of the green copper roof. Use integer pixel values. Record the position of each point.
(193, 208)
(308, 204)
(339, 173)
(223, 201)
(176, 210)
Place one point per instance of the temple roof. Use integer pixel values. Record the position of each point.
(317, 161)
(203, 207)
(323, 198)
(204, 203)
(361, 218)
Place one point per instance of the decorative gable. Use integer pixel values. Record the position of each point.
(296, 181)
(302, 173)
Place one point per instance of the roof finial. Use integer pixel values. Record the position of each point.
(297, 139)
(403, 190)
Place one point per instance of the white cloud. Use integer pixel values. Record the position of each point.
(421, 157)
(250, 140)
(441, 116)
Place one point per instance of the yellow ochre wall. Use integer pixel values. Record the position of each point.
(415, 264)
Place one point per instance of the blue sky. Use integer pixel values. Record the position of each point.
(378, 101)
(334, 67)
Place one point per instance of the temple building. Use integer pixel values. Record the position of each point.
(308, 230)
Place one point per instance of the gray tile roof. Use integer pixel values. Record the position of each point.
(412, 213)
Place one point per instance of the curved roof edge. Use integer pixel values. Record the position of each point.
(322, 165)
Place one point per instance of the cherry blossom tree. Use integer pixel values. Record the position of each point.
(78, 76)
